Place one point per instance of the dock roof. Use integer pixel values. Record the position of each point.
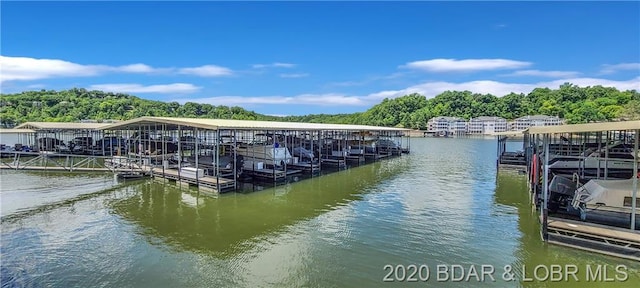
(515, 133)
(14, 130)
(538, 117)
(61, 126)
(588, 127)
(224, 124)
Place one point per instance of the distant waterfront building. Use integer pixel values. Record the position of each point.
(487, 125)
(452, 125)
(535, 120)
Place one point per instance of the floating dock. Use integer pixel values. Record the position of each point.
(355, 159)
(612, 241)
(510, 159)
(210, 183)
(336, 163)
(212, 147)
(266, 173)
(64, 169)
(372, 156)
(545, 145)
(49, 161)
(305, 167)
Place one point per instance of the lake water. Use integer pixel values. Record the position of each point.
(443, 204)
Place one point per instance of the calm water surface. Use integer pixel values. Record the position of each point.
(442, 204)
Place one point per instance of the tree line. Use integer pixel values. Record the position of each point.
(573, 103)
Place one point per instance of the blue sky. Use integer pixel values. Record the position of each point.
(293, 58)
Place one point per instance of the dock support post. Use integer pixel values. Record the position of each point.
(498, 152)
(284, 135)
(320, 147)
(606, 158)
(164, 150)
(545, 188)
(635, 181)
(217, 160)
(581, 164)
(155, 148)
(527, 153)
(599, 138)
(313, 152)
(534, 153)
(235, 161)
(179, 152)
(273, 157)
(195, 132)
(343, 147)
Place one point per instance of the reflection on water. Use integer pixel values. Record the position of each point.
(442, 204)
(532, 251)
(20, 190)
(229, 224)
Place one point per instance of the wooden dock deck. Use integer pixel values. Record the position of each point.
(371, 156)
(306, 167)
(376, 156)
(58, 168)
(513, 158)
(385, 155)
(339, 163)
(289, 171)
(357, 159)
(208, 182)
(267, 173)
(522, 168)
(612, 241)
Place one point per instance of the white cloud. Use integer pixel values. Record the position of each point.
(465, 65)
(368, 80)
(429, 89)
(539, 73)
(206, 71)
(294, 75)
(330, 99)
(284, 65)
(138, 88)
(135, 68)
(36, 86)
(25, 68)
(348, 83)
(275, 64)
(610, 69)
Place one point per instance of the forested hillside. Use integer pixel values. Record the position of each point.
(79, 104)
(576, 104)
(573, 103)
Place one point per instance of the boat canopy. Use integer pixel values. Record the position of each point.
(605, 192)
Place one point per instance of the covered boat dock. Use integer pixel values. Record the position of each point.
(56, 146)
(512, 159)
(216, 153)
(571, 169)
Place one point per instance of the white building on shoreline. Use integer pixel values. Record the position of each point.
(534, 120)
(487, 125)
(450, 125)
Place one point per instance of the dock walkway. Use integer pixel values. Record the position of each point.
(208, 182)
(613, 241)
(339, 163)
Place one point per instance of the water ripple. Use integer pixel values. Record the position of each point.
(442, 204)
